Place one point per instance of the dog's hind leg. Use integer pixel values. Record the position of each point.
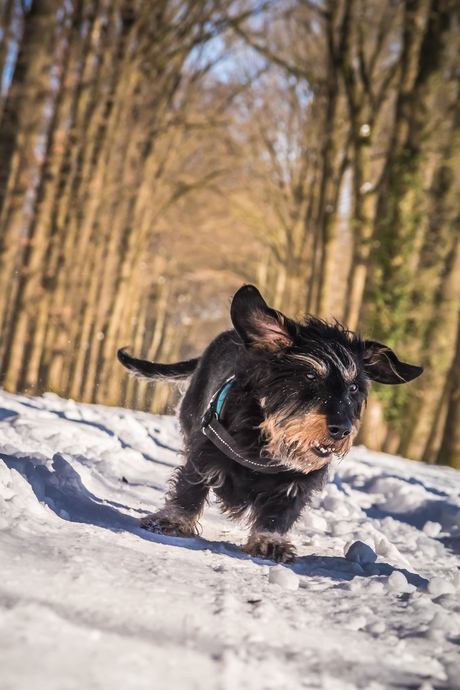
(184, 504)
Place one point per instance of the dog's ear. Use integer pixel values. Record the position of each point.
(257, 324)
(382, 365)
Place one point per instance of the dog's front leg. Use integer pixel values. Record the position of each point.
(267, 539)
(270, 546)
(184, 504)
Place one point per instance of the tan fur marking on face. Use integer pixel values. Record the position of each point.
(291, 441)
(317, 365)
(347, 368)
(345, 363)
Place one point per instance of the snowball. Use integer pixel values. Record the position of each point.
(382, 546)
(359, 552)
(285, 578)
(357, 623)
(353, 585)
(377, 628)
(450, 602)
(315, 522)
(335, 505)
(397, 582)
(385, 548)
(341, 527)
(432, 529)
(440, 620)
(375, 587)
(332, 490)
(438, 586)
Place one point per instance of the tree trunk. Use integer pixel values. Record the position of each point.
(20, 129)
(400, 195)
(449, 452)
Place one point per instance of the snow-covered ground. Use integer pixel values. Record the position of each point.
(89, 600)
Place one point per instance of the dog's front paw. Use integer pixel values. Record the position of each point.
(169, 524)
(271, 547)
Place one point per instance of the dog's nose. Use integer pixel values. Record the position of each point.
(339, 429)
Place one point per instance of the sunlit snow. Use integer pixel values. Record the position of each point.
(89, 600)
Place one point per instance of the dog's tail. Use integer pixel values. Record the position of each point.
(143, 369)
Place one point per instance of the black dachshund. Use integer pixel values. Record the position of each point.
(268, 406)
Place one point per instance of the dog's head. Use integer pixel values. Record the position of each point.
(311, 380)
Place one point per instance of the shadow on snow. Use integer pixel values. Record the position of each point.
(64, 492)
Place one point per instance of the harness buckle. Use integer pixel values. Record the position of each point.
(206, 418)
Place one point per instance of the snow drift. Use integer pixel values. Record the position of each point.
(89, 600)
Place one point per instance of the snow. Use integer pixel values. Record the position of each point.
(359, 552)
(285, 578)
(89, 600)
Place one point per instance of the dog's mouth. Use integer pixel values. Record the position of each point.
(323, 451)
(303, 443)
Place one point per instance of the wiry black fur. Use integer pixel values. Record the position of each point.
(151, 370)
(285, 371)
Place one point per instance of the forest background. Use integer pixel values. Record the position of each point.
(156, 154)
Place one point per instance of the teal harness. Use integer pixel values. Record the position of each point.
(222, 394)
(216, 433)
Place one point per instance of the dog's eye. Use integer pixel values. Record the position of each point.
(312, 377)
(353, 388)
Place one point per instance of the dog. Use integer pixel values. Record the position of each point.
(269, 404)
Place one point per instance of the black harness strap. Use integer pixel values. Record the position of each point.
(215, 432)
